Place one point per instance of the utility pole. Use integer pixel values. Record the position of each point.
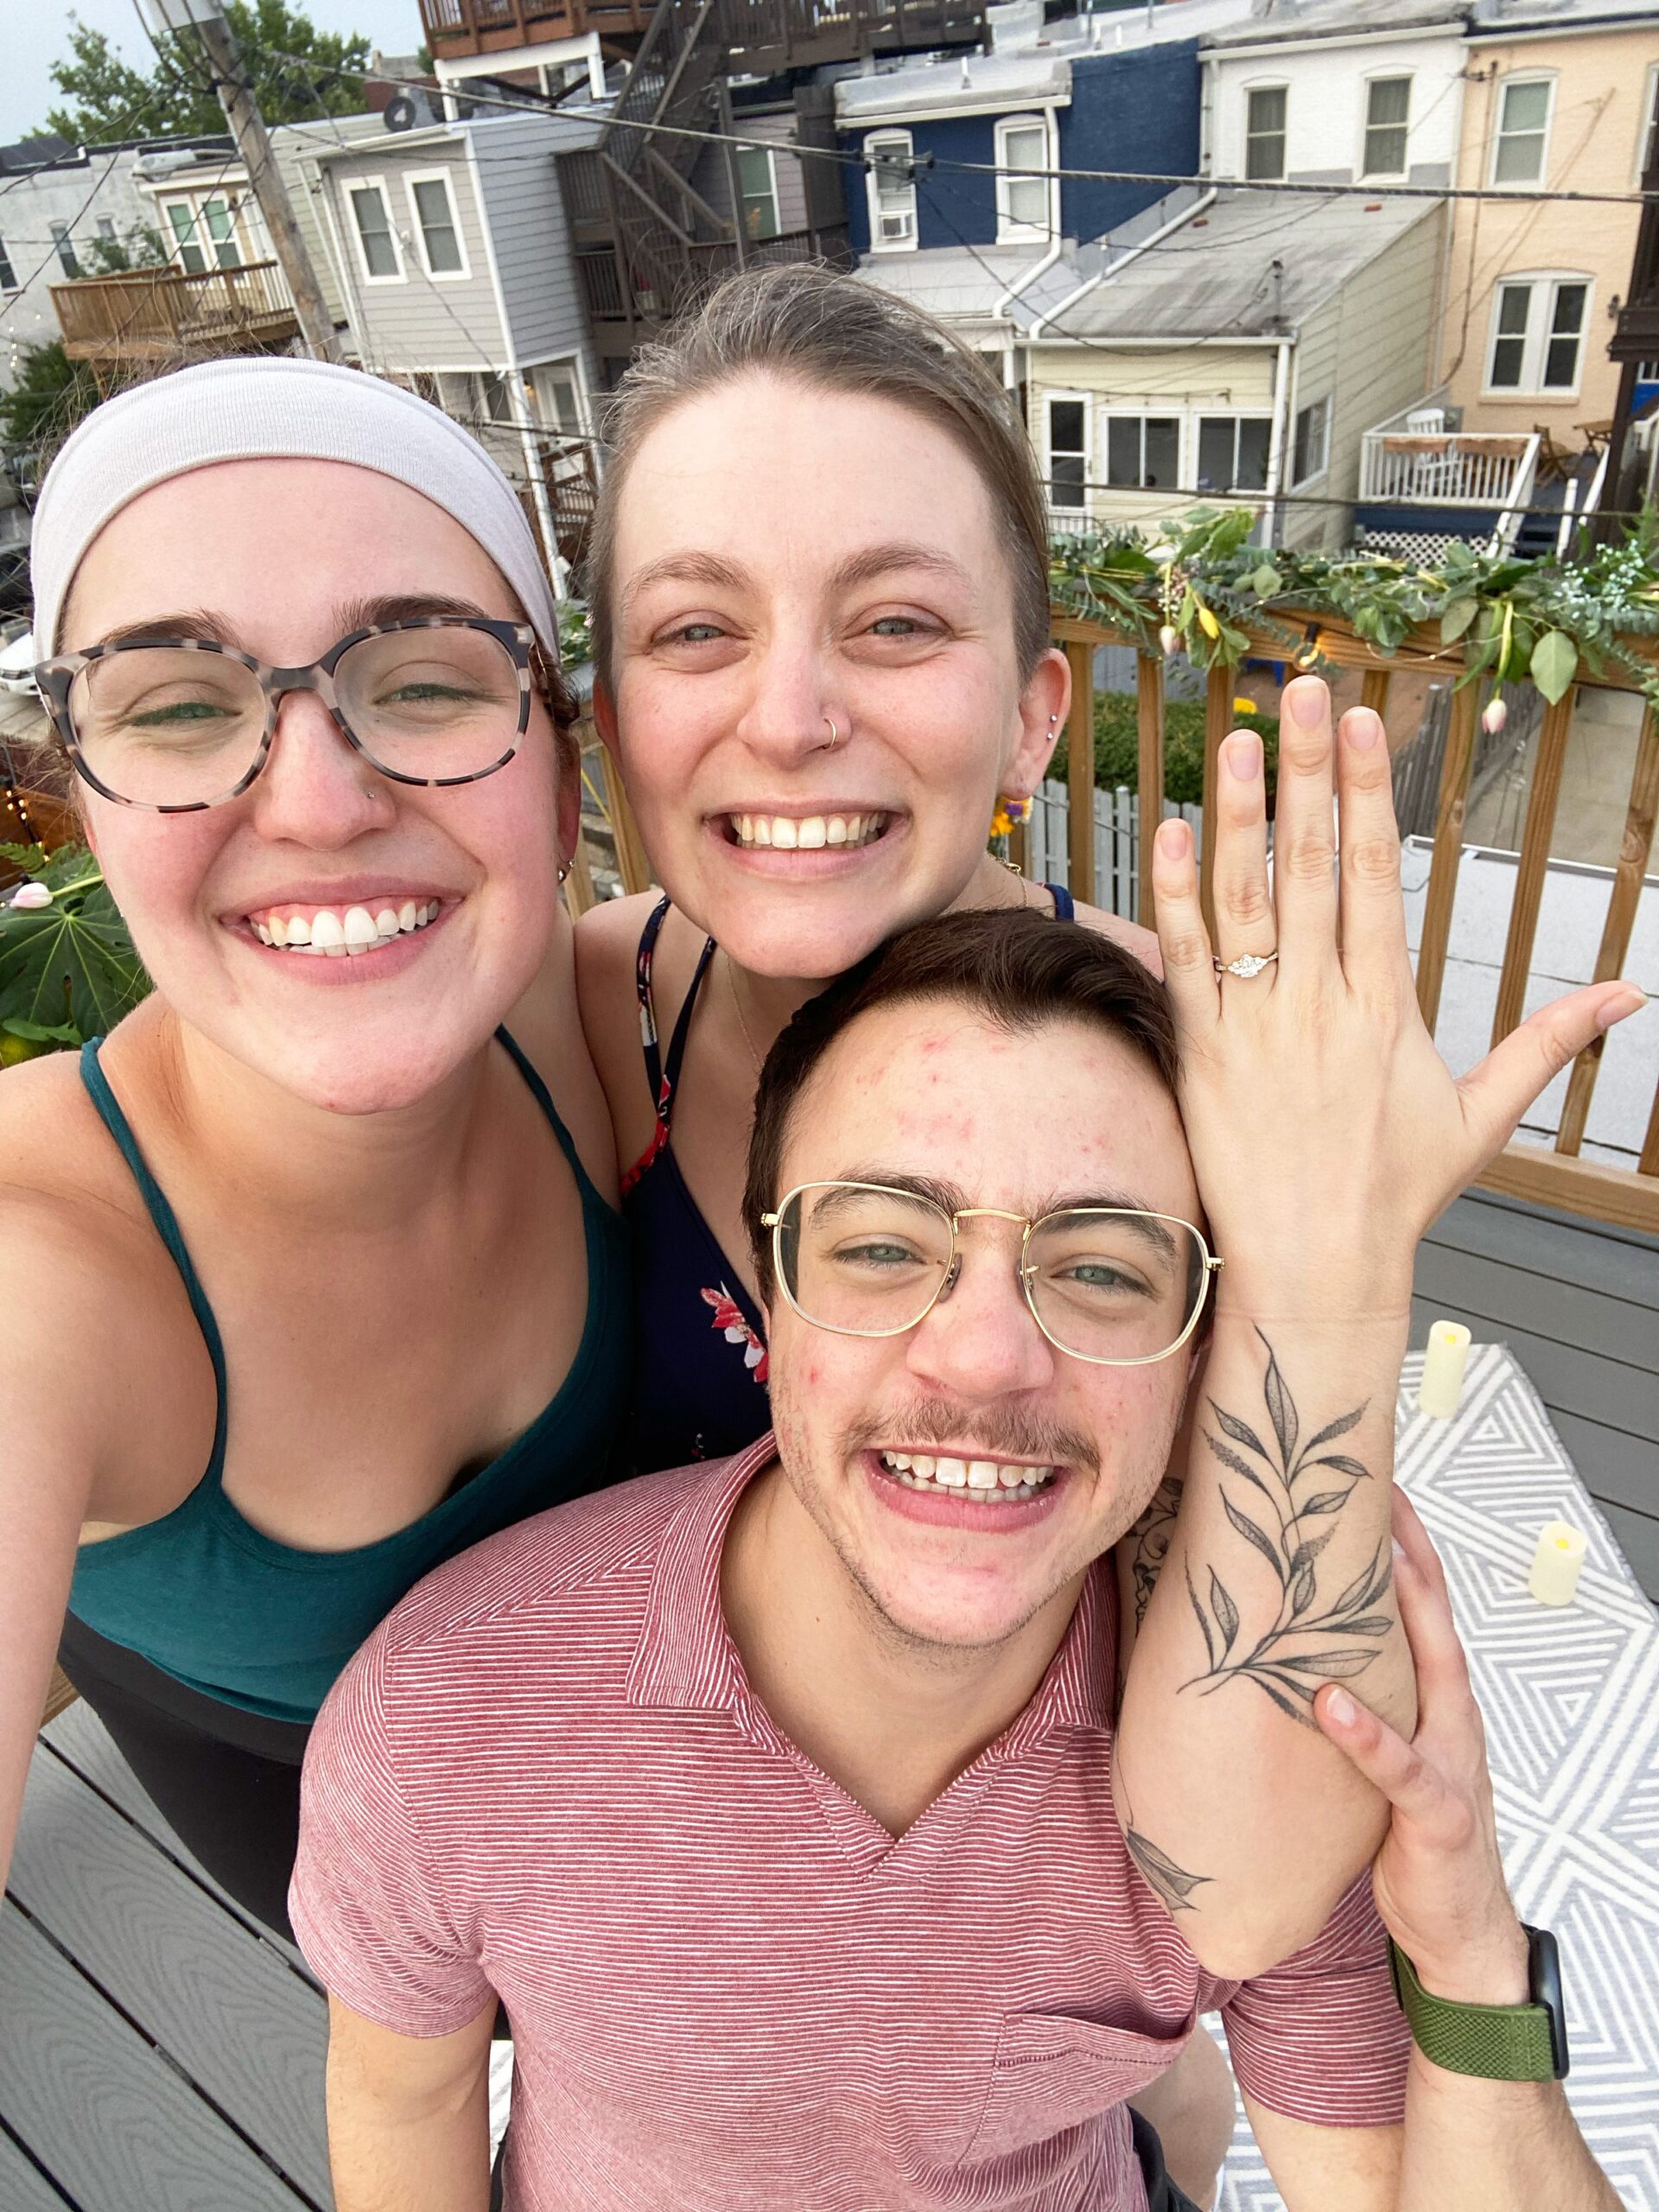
(206, 19)
(1636, 337)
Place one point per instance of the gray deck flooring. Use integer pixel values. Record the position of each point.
(1579, 1306)
(160, 2053)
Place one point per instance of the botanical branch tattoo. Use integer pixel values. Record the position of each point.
(1305, 1486)
(1151, 1534)
(1172, 1884)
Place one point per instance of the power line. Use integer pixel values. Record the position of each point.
(1507, 194)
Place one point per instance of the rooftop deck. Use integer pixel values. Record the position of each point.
(154, 314)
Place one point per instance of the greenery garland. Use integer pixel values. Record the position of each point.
(1193, 587)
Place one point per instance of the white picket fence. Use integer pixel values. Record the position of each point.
(1117, 842)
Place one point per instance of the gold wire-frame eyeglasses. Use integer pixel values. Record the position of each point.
(777, 1222)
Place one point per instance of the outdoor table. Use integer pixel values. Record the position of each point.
(1570, 1700)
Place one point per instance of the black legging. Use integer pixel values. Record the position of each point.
(226, 1782)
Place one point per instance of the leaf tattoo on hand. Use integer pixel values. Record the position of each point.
(1296, 1479)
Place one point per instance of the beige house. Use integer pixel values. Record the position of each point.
(1561, 99)
(1242, 355)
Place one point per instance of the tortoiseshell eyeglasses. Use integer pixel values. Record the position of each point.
(178, 724)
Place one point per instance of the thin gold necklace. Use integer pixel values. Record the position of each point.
(737, 1008)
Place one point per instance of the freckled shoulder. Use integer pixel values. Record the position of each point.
(1130, 935)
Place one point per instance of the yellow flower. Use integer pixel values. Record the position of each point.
(1001, 823)
(1245, 707)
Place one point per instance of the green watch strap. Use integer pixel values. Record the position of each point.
(1498, 2042)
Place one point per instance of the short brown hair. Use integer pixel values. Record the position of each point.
(1018, 970)
(820, 328)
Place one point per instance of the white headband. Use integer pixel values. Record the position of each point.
(269, 408)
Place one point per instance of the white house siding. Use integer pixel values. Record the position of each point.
(78, 194)
(1368, 349)
(1326, 103)
(779, 131)
(525, 213)
(417, 322)
(1186, 380)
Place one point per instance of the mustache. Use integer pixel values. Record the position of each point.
(1005, 1430)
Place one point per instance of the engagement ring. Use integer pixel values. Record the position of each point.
(1247, 964)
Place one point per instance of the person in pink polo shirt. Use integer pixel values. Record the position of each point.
(776, 1798)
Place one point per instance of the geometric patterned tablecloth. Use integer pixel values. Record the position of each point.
(1570, 1700)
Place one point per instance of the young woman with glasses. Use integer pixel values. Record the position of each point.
(311, 1268)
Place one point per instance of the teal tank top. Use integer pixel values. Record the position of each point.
(203, 1595)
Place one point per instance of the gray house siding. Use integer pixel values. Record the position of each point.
(417, 321)
(514, 171)
(1367, 347)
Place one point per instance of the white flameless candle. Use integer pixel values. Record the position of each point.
(1555, 1564)
(1443, 1366)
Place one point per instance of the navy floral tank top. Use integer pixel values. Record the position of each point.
(701, 1347)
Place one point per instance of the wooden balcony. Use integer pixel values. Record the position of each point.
(456, 29)
(159, 314)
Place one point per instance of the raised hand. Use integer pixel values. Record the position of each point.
(1326, 1130)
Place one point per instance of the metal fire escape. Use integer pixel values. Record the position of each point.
(648, 242)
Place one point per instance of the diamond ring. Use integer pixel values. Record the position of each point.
(1247, 964)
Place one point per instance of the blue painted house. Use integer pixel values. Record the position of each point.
(1073, 100)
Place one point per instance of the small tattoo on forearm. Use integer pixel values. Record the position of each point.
(1303, 1483)
(1173, 1884)
(1151, 1534)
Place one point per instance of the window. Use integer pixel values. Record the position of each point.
(1022, 185)
(496, 391)
(201, 228)
(757, 188)
(106, 229)
(435, 218)
(1646, 139)
(1233, 452)
(1313, 445)
(1538, 326)
(557, 391)
(65, 249)
(8, 274)
(376, 247)
(1522, 129)
(1068, 454)
(1143, 452)
(891, 191)
(1264, 132)
(1388, 110)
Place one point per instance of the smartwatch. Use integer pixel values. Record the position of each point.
(1498, 2042)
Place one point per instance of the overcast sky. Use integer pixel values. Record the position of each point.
(35, 33)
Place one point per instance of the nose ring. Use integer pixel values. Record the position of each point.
(834, 735)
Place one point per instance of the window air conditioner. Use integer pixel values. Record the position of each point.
(897, 225)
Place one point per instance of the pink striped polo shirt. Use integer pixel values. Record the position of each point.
(731, 1990)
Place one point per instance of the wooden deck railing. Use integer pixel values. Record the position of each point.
(145, 311)
(1555, 1176)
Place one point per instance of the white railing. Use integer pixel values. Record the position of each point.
(1117, 842)
(1447, 468)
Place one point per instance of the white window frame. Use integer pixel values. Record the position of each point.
(1545, 283)
(1179, 413)
(1085, 495)
(1192, 463)
(878, 245)
(1307, 407)
(8, 282)
(1384, 76)
(195, 205)
(1519, 77)
(568, 364)
(770, 153)
(350, 187)
(444, 176)
(1008, 231)
(1647, 123)
(1273, 84)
